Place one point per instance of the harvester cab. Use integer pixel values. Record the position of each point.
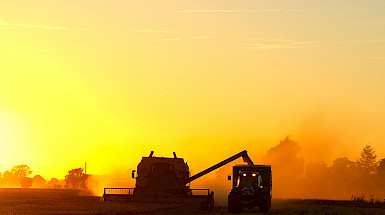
(162, 180)
(160, 177)
(252, 186)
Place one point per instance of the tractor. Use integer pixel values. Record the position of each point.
(252, 187)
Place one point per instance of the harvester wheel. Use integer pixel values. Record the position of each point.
(208, 205)
(211, 201)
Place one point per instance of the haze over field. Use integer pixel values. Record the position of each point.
(109, 81)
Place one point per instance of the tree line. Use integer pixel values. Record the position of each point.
(20, 176)
(342, 179)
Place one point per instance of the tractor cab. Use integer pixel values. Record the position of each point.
(250, 178)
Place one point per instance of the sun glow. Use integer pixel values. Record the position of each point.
(12, 141)
(126, 78)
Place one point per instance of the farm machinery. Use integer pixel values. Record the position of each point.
(252, 186)
(167, 180)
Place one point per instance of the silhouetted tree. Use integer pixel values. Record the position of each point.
(286, 154)
(26, 182)
(287, 166)
(10, 180)
(381, 167)
(38, 181)
(342, 165)
(316, 180)
(368, 159)
(380, 176)
(76, 179)
(54, 183)
(21, 171)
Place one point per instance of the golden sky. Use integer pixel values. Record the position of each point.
(108, 81)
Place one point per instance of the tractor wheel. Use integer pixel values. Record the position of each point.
(265, 206)
(234, 204)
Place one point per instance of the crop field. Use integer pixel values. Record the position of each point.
(49, 201)
(327, 207)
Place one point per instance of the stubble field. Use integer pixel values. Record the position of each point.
(48, 201)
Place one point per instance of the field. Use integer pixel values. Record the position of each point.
(48, 201)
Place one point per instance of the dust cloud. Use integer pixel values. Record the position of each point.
(218, 182)
(328, 157)
(293, 177)
(116, 178)
(326, 134)
(342, 179)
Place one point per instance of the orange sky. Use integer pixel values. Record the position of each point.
(107, 82)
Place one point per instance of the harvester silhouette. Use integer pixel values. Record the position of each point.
(161, 179)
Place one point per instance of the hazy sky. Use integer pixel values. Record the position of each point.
(108, 81)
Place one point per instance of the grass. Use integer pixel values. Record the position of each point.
(368, 201)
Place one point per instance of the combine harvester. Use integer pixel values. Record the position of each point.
(166, 180)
